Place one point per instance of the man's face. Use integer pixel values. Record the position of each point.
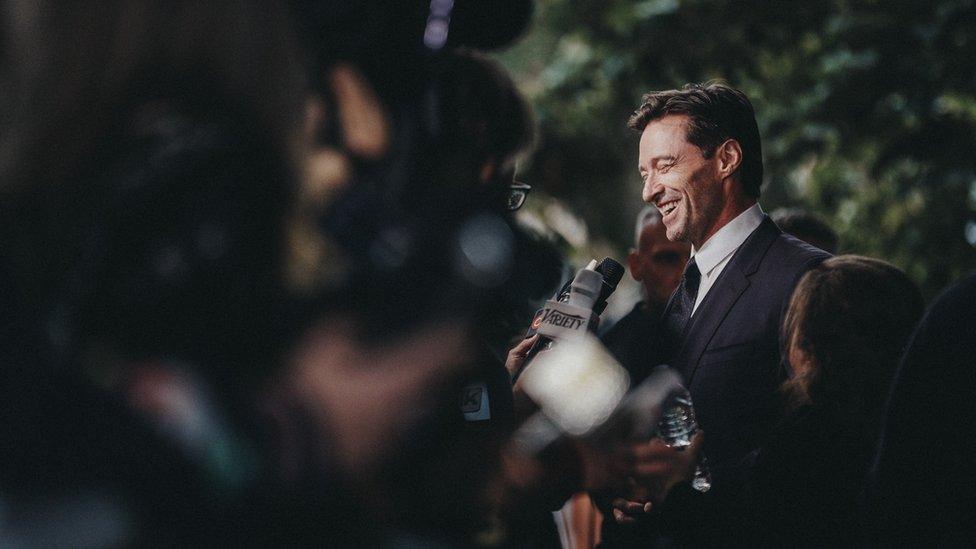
(679, 180)
(658, 263)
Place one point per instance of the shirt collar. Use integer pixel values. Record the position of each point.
(727, 239)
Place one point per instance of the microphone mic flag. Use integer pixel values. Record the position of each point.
(576, 310)
(610, 272)
(563, 318)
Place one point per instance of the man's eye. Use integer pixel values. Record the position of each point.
(665, 167)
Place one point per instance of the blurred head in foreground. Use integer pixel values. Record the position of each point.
(482, 113)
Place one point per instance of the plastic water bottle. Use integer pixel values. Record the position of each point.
(677, 427)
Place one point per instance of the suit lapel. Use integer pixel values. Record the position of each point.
(725, 292)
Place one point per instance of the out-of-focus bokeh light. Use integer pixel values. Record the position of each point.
(577, 384)
(487, 250)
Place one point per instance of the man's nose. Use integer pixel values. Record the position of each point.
(652, 189)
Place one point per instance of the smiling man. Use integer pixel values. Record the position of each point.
(700, 158)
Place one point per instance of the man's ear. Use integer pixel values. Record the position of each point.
(729, 155)
(633, 262)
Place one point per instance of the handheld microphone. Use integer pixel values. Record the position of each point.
(611, 272)
(561, 318)
(574, 312)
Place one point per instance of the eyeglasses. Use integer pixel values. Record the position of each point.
(517, 192)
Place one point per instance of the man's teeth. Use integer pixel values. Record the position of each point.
(668, 208)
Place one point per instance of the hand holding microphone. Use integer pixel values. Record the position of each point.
(575, 310)
(517, 356)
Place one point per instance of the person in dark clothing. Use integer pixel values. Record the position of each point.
(847, 324)
(153, 161)
(436, 487)
(922, 489)
(486, 126)
(700, 157)
(655, 262)
(149, 152)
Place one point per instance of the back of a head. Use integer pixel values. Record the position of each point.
(807, 227)
(849, 320)
(482, 112)
(716, 113)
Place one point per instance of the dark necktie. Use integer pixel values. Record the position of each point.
(676, 320)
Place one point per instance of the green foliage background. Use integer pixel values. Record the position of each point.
(867, 111)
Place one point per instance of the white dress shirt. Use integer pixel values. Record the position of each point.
(716, 252)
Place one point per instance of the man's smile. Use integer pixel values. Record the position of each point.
(667, 207)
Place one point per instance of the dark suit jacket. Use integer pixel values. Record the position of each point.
(635, 341)
(730, 356)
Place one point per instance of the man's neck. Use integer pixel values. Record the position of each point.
(732, 210)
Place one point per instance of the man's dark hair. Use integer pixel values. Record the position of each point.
(716, 112)
(807, 227)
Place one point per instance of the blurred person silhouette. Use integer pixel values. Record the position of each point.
(847, 324)
(438, 482)
(169, 253)
(441, 190)
(148, 156)
(485, 122)
(807, 227)
(922, 482)
(161, 240)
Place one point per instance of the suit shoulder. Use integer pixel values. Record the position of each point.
(794, 254)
